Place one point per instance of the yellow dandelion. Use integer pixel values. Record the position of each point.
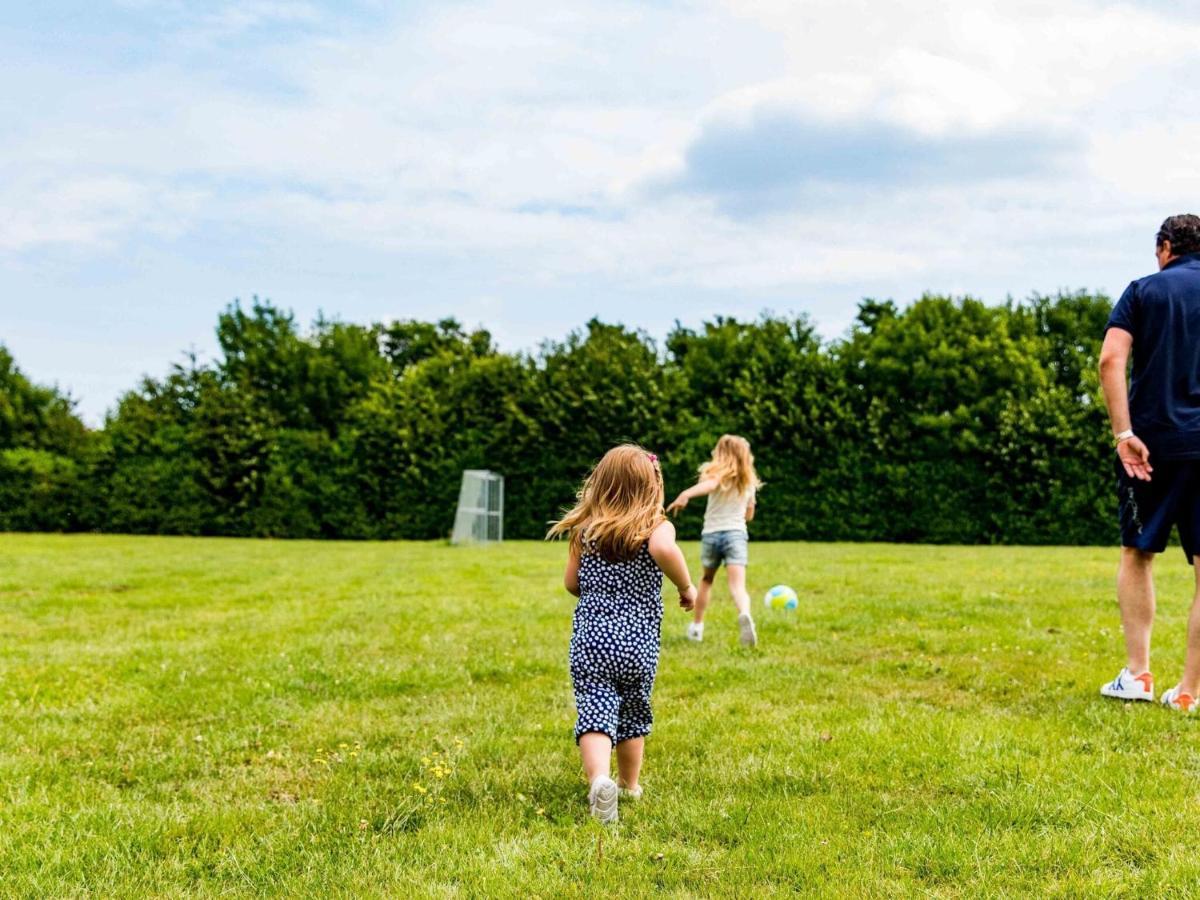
(418, 788)
(424, 760)
(541, 810)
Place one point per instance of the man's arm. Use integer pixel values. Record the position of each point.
(1114, 359)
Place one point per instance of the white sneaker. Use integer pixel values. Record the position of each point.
(1130, 687)
(1174, 699)
(602, 800)
(695, 631)
(748, 635)
(635, 794)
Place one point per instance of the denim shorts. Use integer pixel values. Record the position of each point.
(729, 547)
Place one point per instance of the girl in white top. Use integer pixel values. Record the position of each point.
(730, 483)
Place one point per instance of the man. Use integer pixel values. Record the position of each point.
(1156, 429)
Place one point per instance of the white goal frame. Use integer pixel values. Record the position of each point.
(480, 515)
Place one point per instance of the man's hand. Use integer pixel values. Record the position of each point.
(687, 599)
(677, 504)
(1135, 457)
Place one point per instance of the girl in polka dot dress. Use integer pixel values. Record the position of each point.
(621, 545)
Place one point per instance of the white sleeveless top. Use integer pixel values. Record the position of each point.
(726, 510)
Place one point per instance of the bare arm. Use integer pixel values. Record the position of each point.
(1114, 357)
(699, 489)
(571, 576)
(670, 559)
(750, 511)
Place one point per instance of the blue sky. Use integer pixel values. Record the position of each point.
(525, 166)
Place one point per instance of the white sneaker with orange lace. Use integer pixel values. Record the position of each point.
(1176, 699)
(1127, 686)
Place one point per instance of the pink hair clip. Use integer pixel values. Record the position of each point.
(652, 457)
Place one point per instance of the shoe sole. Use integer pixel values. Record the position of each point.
(1116, 695)
(748, 636)
(603, 802)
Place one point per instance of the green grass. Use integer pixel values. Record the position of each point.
(238, 717)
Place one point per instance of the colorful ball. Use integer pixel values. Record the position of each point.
(781, 597)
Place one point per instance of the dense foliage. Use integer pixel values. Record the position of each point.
(946, 421)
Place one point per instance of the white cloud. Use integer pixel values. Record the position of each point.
(512, 140)
(95, 213)
(440, 130)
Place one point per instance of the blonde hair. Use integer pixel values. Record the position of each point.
(732, 465)
(620, 503)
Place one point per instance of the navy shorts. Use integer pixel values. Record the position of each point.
(1149, 509)
(729, 547)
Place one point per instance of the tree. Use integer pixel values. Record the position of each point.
(45, 451)
(36, 417)
(946, 420)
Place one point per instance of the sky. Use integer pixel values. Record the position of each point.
(525, 166)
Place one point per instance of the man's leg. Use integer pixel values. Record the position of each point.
(1135, 593)
(1190, 683)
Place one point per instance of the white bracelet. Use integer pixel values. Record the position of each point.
(1122, 437)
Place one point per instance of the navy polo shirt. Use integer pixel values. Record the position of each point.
(1162, 312)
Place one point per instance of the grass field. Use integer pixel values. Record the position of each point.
(238, 717)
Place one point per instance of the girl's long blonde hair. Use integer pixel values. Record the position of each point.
(732, 465)
(620, 503)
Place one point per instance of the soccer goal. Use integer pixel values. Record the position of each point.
(480, 516)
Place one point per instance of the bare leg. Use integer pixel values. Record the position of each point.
(737, 587)
(1190, 682)
(595, 748)
(629, 762)
(1135, 592)
(703, 594)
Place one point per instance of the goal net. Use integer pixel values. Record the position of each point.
(480, 515)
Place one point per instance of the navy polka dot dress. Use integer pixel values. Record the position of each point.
(614, 644)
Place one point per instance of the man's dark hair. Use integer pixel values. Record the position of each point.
(1183, 232)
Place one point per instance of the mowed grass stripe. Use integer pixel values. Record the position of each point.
(213, 716)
